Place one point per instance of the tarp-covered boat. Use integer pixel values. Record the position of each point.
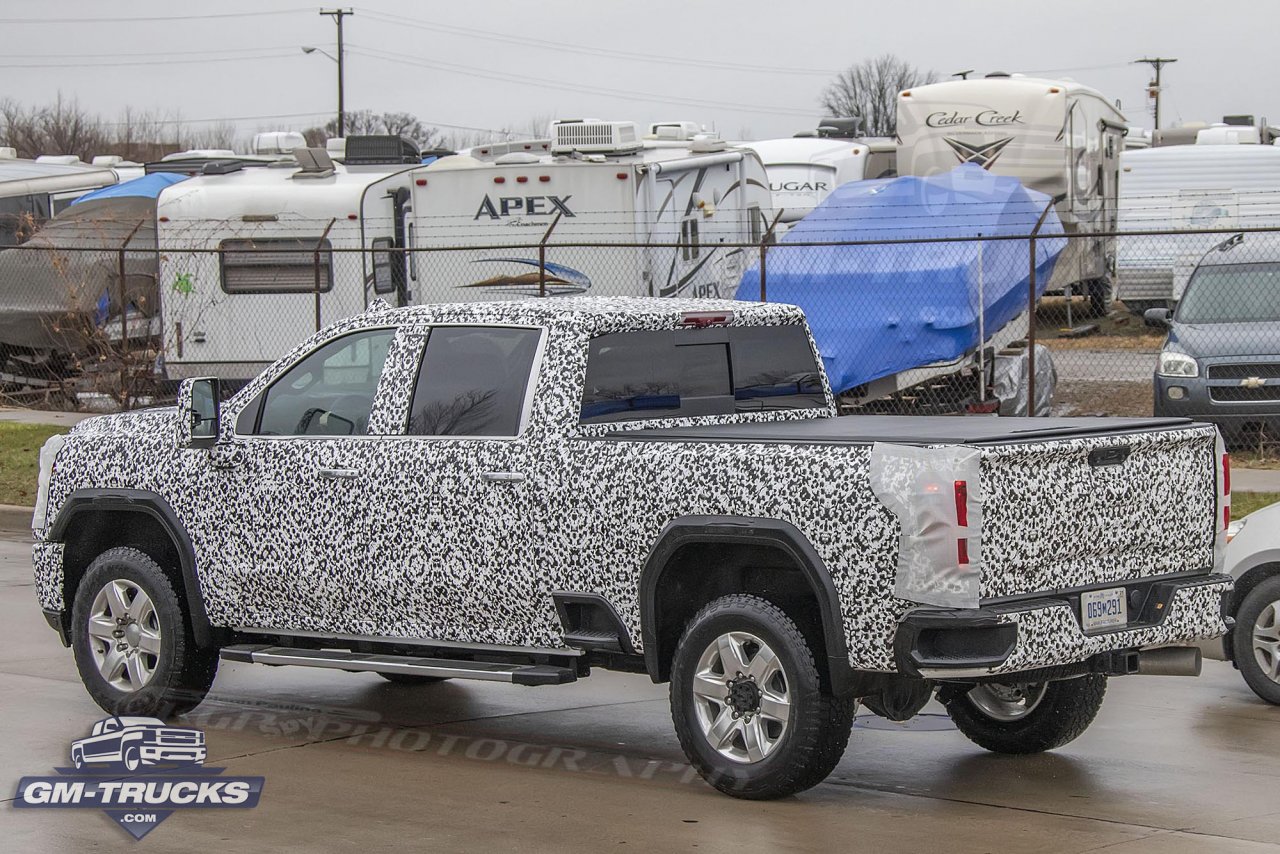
(880, 307)
(64, 282)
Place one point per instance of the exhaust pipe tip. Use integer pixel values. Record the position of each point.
(1170, 661)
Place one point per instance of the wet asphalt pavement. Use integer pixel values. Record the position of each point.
(355, 763)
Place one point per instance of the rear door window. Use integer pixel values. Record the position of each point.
(473, 381)
(679, 373)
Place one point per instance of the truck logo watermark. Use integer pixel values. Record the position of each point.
(1253, 382)
(986, 118)
(138, 771)
(982, 153)
(523, 205)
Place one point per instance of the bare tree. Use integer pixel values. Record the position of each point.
(65, 128)
(21, 127)
(870, 88)
(216, 135)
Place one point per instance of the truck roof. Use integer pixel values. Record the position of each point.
(634, 312)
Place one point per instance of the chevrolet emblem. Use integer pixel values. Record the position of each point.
(1253, 382)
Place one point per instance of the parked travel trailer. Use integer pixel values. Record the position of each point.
(32, 191)
(251, 260)
(1201, 186)
(1056, 136)
(476, 224)
(804, 170)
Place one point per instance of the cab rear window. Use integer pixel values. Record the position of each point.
(688, 372)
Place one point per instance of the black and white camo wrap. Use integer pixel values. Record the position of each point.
(424, 546)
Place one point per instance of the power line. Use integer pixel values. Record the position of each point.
(150, 53)
(542, 83)
(201, 60)
(562, 47)
(119, 20)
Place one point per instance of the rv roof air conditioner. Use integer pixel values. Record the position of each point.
(8, 153)
(594, 137)
(840, 127)
(378, 150)
(674, 130)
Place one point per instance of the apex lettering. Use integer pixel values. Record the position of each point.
(527, 205)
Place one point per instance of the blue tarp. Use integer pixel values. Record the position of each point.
(146, 187)
(877, 310)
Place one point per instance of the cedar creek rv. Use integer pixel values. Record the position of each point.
(477, 222)
(251, 260)
(1056, 136)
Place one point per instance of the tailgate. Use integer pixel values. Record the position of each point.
(1070, 513)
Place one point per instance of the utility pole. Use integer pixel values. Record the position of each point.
(338, 15)
(1156, 62)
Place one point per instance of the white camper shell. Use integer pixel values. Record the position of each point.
(1201, 186)
(251, 261)
(1056, 136)
(476, 224)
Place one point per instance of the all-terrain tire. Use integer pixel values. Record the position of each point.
(1262, 602)
(1062, 714)
(182, 671)
(818, 725)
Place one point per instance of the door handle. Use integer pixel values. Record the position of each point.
(339, 474)
(503, 476)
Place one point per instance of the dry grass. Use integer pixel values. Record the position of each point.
(1103, 398)
(1118, 331)
(1244, 503)
(20, 460)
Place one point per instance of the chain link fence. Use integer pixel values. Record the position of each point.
(939, 326)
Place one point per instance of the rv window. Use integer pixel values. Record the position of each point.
(328, 393)
(472, 381)
(273, 265)
(636, 376)
(384, 281)
(689, 237)
(757, 223)
(19, 217)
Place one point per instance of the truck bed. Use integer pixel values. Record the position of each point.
(935, 430)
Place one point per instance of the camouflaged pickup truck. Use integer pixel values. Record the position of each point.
(522, 491)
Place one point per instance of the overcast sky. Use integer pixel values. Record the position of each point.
(748, 66)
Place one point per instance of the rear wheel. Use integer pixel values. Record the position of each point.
(1027, 717)
(1256, 642)
(748, 705)
(132, 642)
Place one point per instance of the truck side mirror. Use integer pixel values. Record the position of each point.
(1156, 317)
(199, 409)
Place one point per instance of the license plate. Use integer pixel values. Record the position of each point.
(1104, 609)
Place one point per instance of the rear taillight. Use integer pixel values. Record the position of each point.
(1226, 491)
(962, 520)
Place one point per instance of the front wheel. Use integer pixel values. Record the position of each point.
(132, 641)
(748, 705)
(1027, 717)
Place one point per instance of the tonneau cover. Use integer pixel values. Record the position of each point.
(923, 430)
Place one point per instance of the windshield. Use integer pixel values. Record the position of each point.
(1233, 293)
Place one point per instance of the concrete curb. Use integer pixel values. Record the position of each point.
(14, 518)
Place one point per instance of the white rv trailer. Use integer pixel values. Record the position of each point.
(32, 191)
(804, 170)
(1201, 186)
(476, 224)
(1056, 136)
(250, 261)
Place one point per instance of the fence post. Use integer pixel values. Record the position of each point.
(121, 271)
(542, 256)
(316, 258)
(1031, 312)
(764, 247)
